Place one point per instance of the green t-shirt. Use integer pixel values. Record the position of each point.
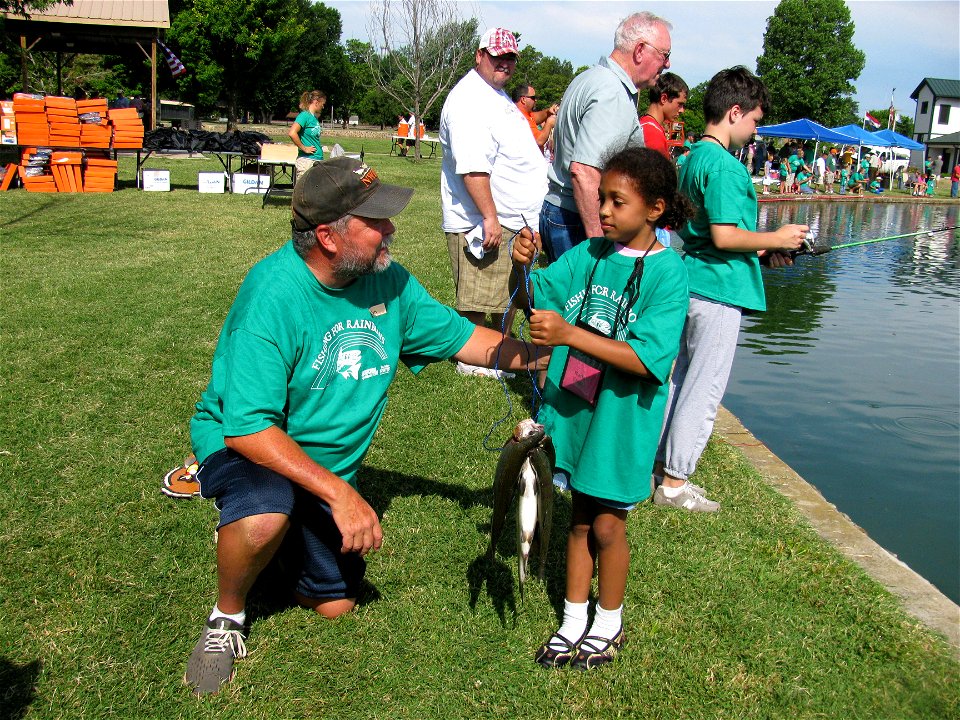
(309, 134)
(606, 448)
(723, 194)
(316, 361)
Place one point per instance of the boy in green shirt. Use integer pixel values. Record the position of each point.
(722, 255)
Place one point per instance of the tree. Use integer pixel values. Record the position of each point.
(313, 60)
(229, 45)
(809, 62)
(416, 51)
(692, 118)
(548, 75)
(364, 97)
(25, 7)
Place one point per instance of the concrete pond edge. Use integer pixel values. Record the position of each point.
(918, 596)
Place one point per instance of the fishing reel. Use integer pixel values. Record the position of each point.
(807, 248)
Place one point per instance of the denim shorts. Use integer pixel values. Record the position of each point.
(560, 230)
(311, 548)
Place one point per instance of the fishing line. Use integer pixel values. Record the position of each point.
(536, 399)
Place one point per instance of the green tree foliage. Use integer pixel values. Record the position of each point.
(365, 99)
(692, 118)
(312, 61)
(548, 75)
(257, 55)
(25, 7)
(809, 62)
(90, 75)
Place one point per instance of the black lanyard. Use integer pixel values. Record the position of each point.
(631, 290)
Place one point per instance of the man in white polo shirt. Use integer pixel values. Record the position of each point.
(492, 184)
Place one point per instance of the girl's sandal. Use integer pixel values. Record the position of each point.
(596, 651)
(550, 657)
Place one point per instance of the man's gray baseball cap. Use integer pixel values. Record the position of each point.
(340, 186)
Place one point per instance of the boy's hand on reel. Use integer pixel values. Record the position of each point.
(790, 237)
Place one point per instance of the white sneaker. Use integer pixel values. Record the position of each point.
(465, 369)
(658, 481)
(687, 499)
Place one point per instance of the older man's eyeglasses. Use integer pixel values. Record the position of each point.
(666, 55)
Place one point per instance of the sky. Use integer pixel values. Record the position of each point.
(904, 40)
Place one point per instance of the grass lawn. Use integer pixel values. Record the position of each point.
(110, 312)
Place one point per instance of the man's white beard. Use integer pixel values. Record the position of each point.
(352, 264)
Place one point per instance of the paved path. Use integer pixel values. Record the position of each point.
(919, 597)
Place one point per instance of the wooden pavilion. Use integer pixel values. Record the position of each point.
(95, 27)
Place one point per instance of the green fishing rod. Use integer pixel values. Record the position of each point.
(811, 249)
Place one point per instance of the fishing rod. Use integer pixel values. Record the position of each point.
(809, 248)
(820, 251)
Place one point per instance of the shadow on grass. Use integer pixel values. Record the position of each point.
(27, 215)
(17, 688)
(272, 592)
(382, 486)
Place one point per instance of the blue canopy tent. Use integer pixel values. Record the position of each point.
(863, 137)
(898, 140)
(804, 129)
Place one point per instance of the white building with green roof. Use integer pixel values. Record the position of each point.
(936, 121)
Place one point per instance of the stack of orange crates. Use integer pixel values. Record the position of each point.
(100, 175)
(29, 111)
(68, 171)
(95, 129)
(127, 128)
(42, 182)
(63, 121)
(65, 167)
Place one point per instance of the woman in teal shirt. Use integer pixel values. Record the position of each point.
(305, 130)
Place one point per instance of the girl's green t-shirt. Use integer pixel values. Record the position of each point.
(606, 448)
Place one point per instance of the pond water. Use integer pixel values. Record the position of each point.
(852, 376)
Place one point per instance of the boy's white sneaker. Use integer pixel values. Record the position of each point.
(686, 498)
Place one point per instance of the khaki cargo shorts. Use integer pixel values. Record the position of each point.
(482, 285)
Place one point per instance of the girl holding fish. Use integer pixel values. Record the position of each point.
(613, 308)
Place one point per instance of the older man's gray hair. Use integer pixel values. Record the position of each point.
(304, 240)
(634, 28)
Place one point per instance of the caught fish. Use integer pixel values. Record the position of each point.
(525, 465)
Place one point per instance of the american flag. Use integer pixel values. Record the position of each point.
(871, 119)
(173, 62)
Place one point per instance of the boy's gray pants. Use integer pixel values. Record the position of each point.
(699, 379)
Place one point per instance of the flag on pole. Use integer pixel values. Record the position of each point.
(892, 116)
(871, 119)
(173, 62)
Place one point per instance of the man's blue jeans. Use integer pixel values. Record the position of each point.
(560, 230)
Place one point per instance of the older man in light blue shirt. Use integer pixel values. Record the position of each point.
(598, 117)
